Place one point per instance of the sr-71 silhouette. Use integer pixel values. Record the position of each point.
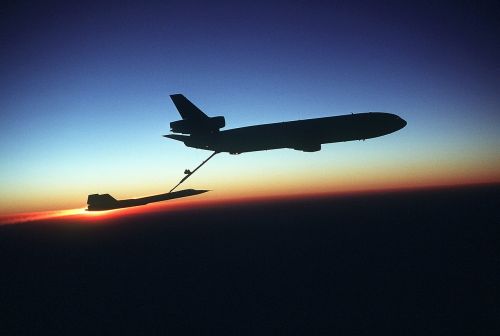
(201, 131)
(101, 202)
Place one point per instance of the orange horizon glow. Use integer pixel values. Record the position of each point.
(267, 178)
(99, 217)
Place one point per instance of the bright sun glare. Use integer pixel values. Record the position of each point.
(35, 216)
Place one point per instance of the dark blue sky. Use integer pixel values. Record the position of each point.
(84, 92)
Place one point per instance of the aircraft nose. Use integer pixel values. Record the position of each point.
(402, 122)
(398, 122)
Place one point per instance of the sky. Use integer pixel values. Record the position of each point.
(84, 95)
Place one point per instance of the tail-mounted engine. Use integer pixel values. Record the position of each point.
(201, 125)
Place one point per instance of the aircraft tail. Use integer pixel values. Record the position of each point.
(194, 121)
(100, 201)
(187, 110)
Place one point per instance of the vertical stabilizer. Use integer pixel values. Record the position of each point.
(187, 110)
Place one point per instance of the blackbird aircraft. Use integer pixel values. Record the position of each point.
(100, 202)
(198, 130)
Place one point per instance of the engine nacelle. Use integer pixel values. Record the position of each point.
(309, 148)
(190, 126)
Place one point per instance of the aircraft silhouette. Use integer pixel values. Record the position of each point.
(100, 202)
(305, 135)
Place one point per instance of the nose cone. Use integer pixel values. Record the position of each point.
(396, 123)
(402, 123)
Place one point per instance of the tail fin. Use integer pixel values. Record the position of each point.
(97, 201)
(187, 110)
(194, 121)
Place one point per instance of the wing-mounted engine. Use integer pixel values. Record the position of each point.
(201, 125)
(309, 148)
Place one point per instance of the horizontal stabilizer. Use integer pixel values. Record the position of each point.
(177, 137)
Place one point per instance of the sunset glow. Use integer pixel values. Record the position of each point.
(220, 133)
(84, 103)
(37, 216)
(85, 217)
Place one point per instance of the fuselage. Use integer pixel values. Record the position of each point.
(306, 135)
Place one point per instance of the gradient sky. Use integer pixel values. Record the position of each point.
(84, 95)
